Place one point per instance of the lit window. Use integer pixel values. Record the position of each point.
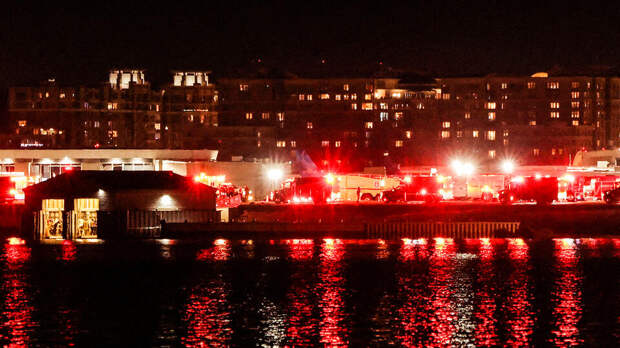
(293, 143)
(554, 105)
(574, 105)
(398, 143)
(445, 134)
(338, 97)
(532, 123)
(491, 153)
(420, 106)
(505, 142)
(353, 106)
(157, 126)
(281, 143)
(248, 116)
(367, 96)
(190, 118)
(553, 85)
(345, 97)
(553, 152)
(265, 115)
(112, 106)
(309, 97)
(491, 106)
(408, 134)
(536, 152)
(491, 116)
(62, 96)
(396, 95)
(366, 106)
(325, 143)
(574, 84)
(258, 143)
(398, 116)
(302, 97)
(345, 87)
(96, 124)
(383, 116)
(22, 123)
(368, 125)
(280, 116)
(324, 96)
(309, 125)
(506, 132)
(491, 135)
(574, 94)
(47, 94)
(445, 96)
(575, 122)
(243, 88)
(531, 85)
(459, 134)
(504, 85)
(337, 143)
(353, 96)
(114, 134)
(574, 114)
(475, 134)
(467, 115)
(445, 124)
(554, 114)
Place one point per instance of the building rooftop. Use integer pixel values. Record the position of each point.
(89, 181)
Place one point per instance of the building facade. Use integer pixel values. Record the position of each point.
(344, 124)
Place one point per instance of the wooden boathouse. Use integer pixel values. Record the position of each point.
(83, 205)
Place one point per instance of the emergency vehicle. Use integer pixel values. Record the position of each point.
(542, 190)
(345, 187)
(417, 188)
(303, 190)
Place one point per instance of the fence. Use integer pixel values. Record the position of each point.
(397, 230)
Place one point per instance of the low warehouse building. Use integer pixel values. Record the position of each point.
(107, 204)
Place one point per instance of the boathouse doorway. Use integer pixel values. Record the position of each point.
(51, 219)
(84, 218)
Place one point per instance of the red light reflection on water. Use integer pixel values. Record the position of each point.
(443, 316)
(413, 249)
(300, 249)
(519, 305)
(566, 294)
(485, 332)
(220, 251)
(301, 323)
(68, 251)
(207, 315)
(331, 283)
(17, 310)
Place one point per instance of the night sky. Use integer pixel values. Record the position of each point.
(78, 46)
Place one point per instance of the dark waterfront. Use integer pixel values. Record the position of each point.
(423, 292)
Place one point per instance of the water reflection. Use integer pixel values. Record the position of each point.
(519, 309)
(17, 313)
(486, 329)
(332, 330)
(443, 315)
(301, 326)
(220, 251)
(566, 295)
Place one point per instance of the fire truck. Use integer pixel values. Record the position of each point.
(303, 190)
(7, 190)
(417, 188)
(345, 187)
(539, 189)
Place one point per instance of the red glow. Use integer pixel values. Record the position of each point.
(68, 251)
(485, 333)
(207, 316)
(15, 241)
(331, 331)
(443, 318)
(17, 313)
(219, 252)
(519, 308)
(566, 295)
(300, 249)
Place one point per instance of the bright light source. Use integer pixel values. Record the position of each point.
(518, 179)
(116, 161)
(16, 241)
(569, 178)
(166, 200)
(275, 174)
(423, 192)
(433, 171)
(508, 166)
(66, 160)
(8, 160)
(46, 161)
(137, 161)
(538, 176)
(408, 179)
(461, 168)
(329, 178)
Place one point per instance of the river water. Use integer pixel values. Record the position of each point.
(426, 292)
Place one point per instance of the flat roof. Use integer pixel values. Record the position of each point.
(161, 154)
